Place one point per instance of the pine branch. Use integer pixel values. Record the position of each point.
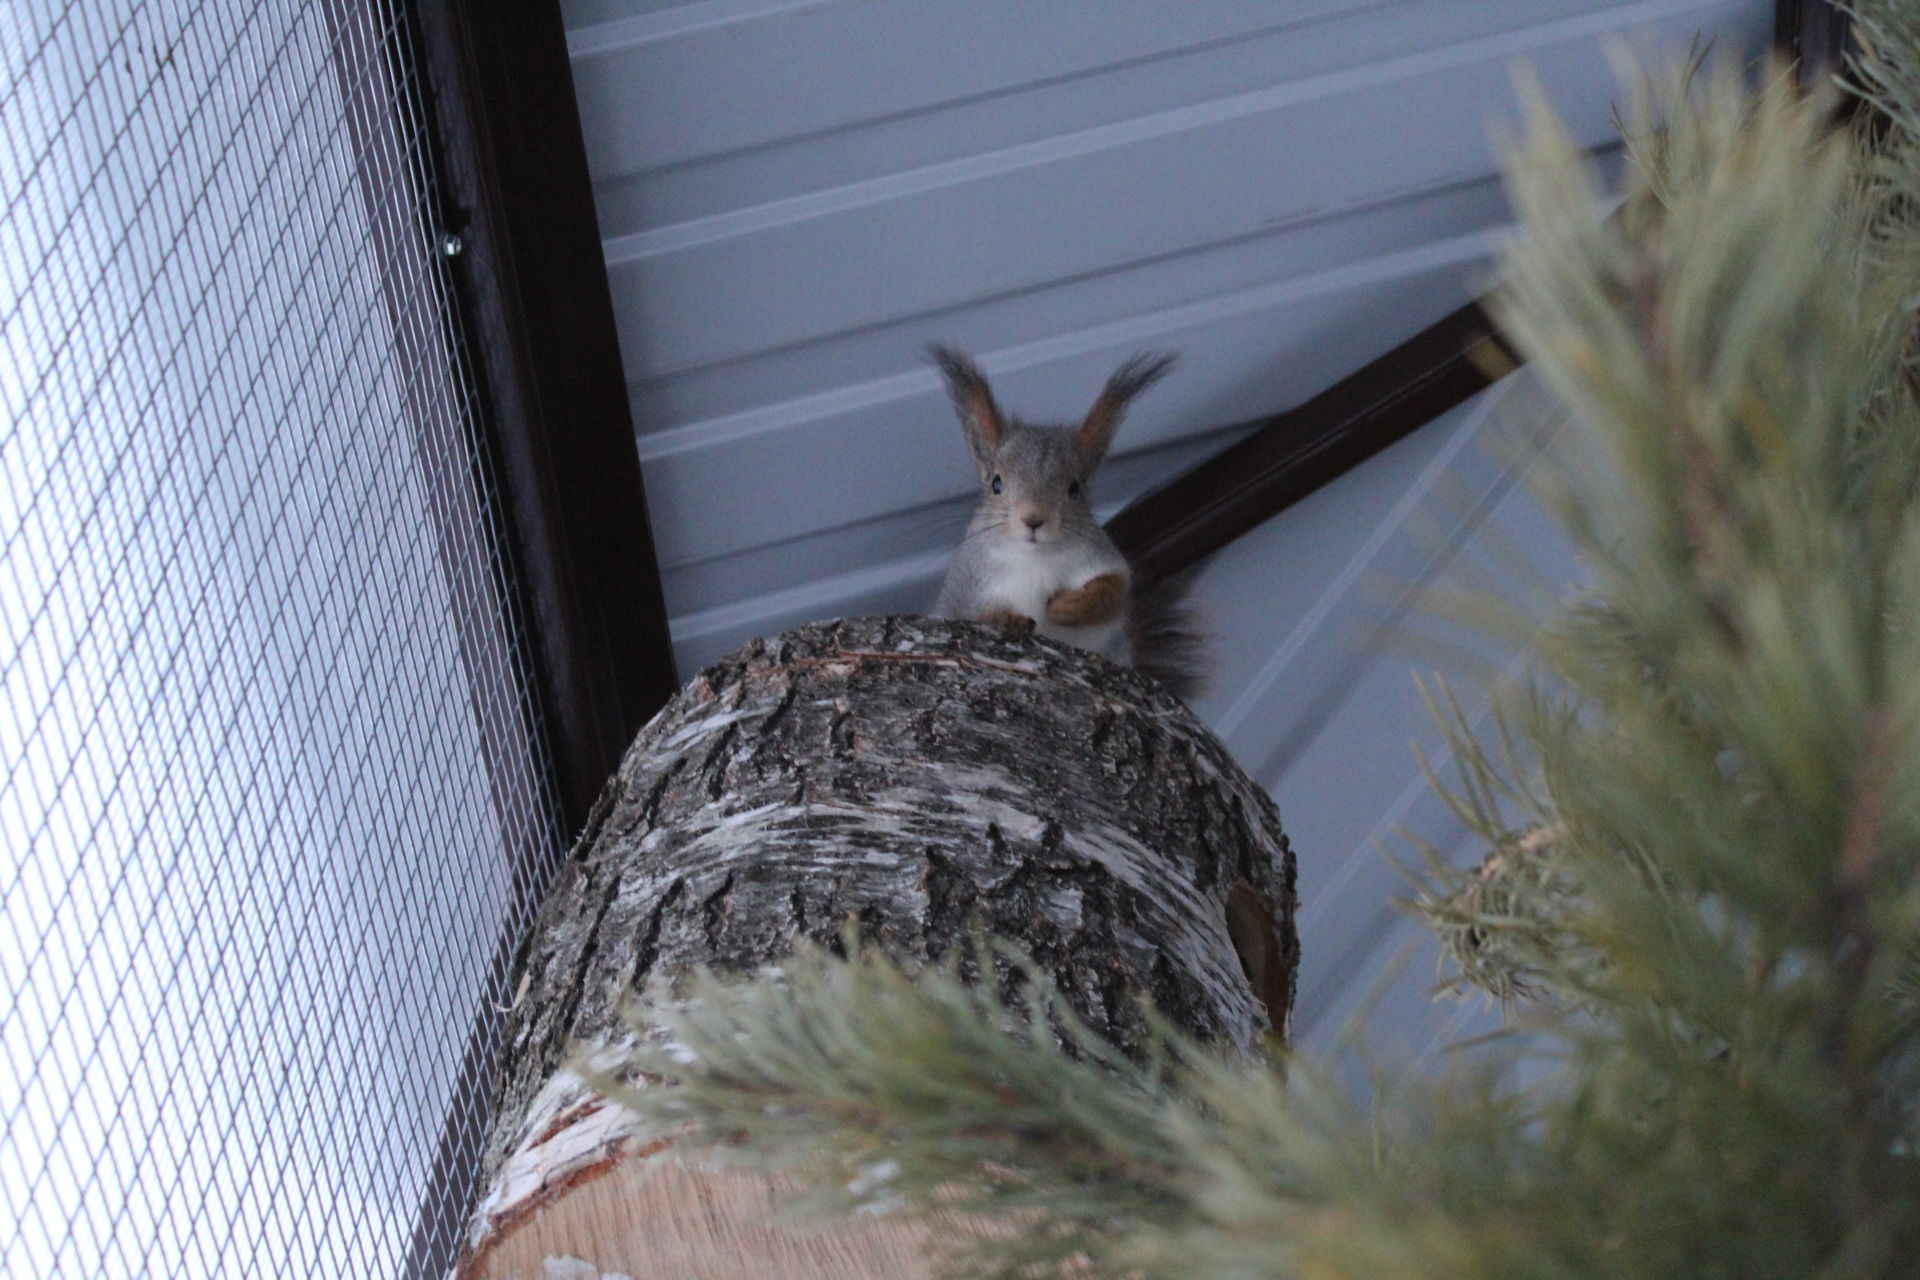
(927, 1096)
(922, 1094)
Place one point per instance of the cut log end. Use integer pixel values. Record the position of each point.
(923, 777)
(648, 1213)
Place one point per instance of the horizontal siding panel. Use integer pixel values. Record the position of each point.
(892, 445)
(1318, 698)
(681, 411)
(929, 239)
(1280, 199)
(695, 87)
(982, 125)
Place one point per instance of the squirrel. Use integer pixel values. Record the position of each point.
(1034, 558)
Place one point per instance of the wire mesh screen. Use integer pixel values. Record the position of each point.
(269, 810)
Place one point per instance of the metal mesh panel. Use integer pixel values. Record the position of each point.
(268, 805)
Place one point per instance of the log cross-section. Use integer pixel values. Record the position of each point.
(920, 778)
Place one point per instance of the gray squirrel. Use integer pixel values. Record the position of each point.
(1034, 558)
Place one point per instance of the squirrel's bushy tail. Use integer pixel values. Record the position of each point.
(1165, 638)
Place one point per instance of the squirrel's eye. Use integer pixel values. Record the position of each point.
(1073, 490)
(996, 484)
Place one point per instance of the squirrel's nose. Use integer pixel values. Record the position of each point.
(1032, 519)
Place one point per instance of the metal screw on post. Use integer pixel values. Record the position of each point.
(451, 245)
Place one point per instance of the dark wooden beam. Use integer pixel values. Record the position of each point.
(1290, 455)
(537, 305)
(1812, 34)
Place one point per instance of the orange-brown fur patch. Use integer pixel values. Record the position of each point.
(986, 416)
(1098, 601)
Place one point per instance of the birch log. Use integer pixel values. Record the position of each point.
(921, 777)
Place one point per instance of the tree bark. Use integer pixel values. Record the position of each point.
(922, 778)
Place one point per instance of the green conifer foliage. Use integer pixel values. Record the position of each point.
(1702, 810)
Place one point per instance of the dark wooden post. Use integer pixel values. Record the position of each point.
(1814, 35)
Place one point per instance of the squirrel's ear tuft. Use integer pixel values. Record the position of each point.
(1129, 380)
(973, 400)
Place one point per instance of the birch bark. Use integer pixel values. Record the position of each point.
(921, 778)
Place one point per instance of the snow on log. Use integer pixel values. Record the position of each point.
(923, 778)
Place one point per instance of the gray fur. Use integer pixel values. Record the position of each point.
(981, 421)
(1038, 536)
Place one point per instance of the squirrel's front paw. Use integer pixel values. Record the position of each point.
(1099, 600)
(1007, 618)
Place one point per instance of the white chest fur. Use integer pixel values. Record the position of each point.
(1025, 575)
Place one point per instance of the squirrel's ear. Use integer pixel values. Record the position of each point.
(973, 400)
(1129, 380)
